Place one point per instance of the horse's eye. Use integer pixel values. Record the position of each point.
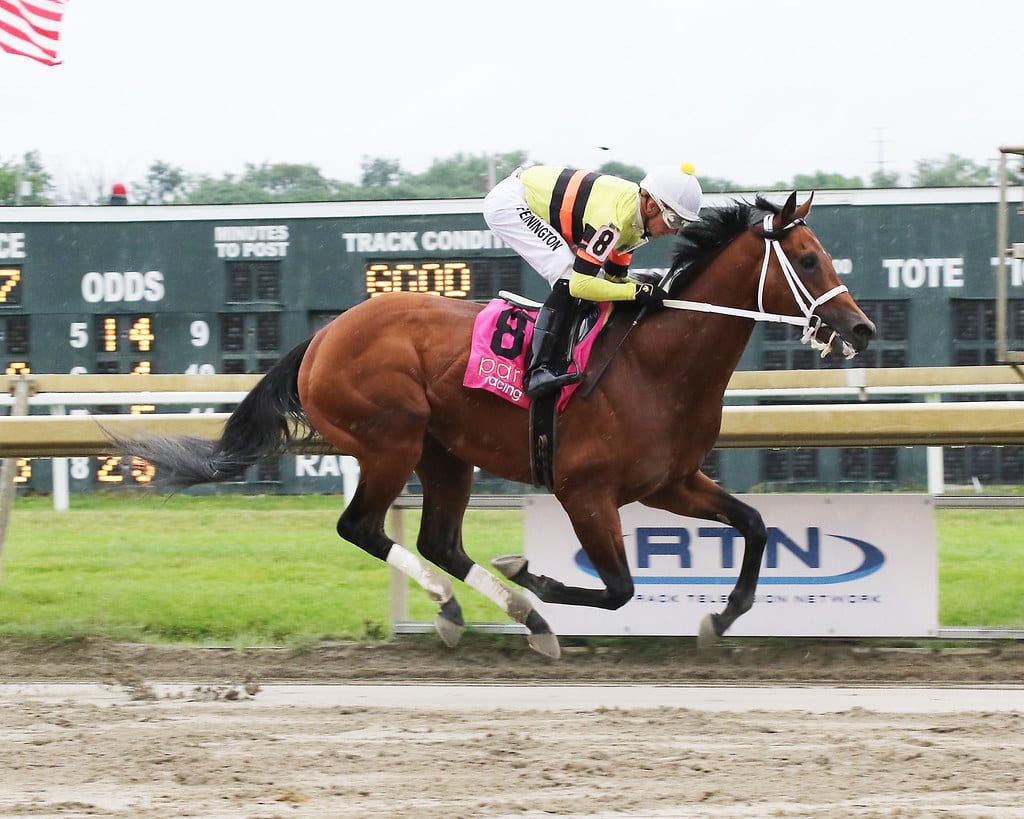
(809, 262)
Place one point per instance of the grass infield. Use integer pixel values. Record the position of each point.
(270, 570)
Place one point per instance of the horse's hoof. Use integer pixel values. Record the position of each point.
(509, 565)
(708, 635)
(449, 632)
(546, 644)
(449, 623)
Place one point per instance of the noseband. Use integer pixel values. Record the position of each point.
(810, 322)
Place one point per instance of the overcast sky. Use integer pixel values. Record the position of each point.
(754, 92)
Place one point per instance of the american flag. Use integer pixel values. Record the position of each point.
(31, 28)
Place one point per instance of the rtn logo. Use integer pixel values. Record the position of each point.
(719, 547)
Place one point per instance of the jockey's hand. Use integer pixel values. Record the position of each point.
(650, 296)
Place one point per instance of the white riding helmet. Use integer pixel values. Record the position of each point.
(676, 187)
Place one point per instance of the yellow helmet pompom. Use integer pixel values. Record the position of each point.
(687, 167)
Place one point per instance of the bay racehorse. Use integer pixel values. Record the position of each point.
(383, 383)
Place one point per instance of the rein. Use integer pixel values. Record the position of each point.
(810, 322)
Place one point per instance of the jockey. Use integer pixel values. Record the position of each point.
(571, 226)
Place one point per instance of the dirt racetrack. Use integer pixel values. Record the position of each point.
(754, 730)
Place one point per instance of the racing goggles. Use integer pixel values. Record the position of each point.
(673, 221)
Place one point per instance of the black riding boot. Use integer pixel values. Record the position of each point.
(548, 351)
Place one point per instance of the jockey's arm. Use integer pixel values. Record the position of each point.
(589, 287)
(584, 283)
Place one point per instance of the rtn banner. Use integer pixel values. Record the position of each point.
(834, 566)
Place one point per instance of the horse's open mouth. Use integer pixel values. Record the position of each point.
(846, 341)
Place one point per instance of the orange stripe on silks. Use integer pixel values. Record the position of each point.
(565, 214)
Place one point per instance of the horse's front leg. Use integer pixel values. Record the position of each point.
(597, 525)
(700, 497)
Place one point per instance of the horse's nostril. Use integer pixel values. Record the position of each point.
(862, 334)
(864, 331)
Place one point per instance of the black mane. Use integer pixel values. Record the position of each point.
(701, 241)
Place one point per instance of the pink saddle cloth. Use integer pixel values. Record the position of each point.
(501, 338)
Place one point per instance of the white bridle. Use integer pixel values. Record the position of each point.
(807, 303)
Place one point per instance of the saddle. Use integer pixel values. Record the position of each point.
(501, 338)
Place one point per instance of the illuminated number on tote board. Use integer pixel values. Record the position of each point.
(109, 331)
(10, 293)
(110, 470)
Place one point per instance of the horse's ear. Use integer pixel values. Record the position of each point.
(786, 214)
(801, 212)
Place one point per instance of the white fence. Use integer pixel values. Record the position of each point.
(931, 422)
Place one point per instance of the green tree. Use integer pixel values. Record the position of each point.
(714, 184)
(8, 183)
(462, 175)
(280, 182)
(885, 179)
(820, 180)
(379, 172)
(951, 170)
(291, 182)
(15, 176)
(164, 184)
(226, 190)
(457, 176)
(634, 173)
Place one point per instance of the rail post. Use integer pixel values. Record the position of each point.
(8, 489)
(936, 474)
(399, 609)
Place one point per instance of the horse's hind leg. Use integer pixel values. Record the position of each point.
(447, 483)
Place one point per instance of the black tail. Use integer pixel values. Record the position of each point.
(268, 420)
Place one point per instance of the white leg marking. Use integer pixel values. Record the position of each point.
(512, 601)
(436, 585)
